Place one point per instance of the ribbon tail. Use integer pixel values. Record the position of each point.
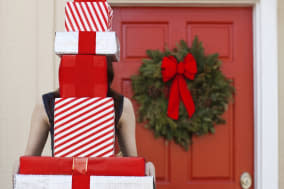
(80, 177)
(80, 181)
(186, 97)
(174, 99)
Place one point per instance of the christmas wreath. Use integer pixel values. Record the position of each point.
(182, 92)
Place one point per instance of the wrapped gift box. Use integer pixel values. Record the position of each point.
(88, 16)
(112, 166)
(83, 76)
(84, 127)
(96, 182)
(100, 43)
(104, 173)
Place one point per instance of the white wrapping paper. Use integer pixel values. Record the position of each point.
(96, 182)
(106, 43)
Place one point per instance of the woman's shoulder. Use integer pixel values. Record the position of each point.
(127, 104)
(51, 94)
(128, 110)
(39, 111)
(47, 102)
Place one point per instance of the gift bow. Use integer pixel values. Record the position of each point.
(171, 69)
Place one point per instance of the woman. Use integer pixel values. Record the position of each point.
(42, 123)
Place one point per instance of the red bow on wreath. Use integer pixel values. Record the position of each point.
(171, 69)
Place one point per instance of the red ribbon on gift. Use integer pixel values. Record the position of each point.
(80, 176)
(171, 69)
(87, 43)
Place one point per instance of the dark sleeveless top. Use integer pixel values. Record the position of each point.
(48, 101)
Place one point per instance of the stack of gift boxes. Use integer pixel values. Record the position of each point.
(84, 117)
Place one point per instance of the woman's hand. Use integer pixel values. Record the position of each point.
(150, 169)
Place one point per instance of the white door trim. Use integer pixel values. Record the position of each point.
(266, 94)
(265, 80)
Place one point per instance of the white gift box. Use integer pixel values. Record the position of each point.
(96, 182)
(106, 43)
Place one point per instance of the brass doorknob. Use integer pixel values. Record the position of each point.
(246, 180)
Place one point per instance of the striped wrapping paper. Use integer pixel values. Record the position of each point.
(88, 16)
(84, 127)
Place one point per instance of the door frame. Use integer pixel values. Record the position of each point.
(265, 76)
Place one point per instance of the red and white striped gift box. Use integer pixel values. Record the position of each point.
(88, 16)
(84, 127)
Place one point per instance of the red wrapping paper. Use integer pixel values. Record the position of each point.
(114, 166)
(83, 76)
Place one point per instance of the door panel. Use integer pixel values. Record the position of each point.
(213, 161)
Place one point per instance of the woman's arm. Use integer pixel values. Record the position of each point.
(126, 125)
(38, 131)
(127, 139)
(38, 134)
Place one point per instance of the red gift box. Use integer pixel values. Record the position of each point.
(84, 15)
(83, 76)
(113, 166)
(84, 127)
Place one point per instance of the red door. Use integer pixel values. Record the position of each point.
(213, 161)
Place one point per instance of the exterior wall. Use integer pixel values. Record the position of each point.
(28, 68)
(26, 71)
(281, 89)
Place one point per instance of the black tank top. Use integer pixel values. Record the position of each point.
(48, 101)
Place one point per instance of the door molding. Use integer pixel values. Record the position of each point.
(265, 67)
(177, 3)
(266, 94)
